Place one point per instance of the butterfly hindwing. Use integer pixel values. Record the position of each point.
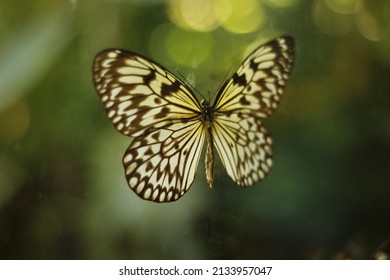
(244, 146)
(161, 165)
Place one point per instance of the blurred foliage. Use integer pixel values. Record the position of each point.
(63, 194)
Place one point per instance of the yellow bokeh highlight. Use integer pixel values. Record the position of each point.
(236, 16)
(337, 17)
(342, 6)
(367, 24)
(196, 15)
(188, 48)
(156, 42)
(240, 16)
(284, 3)
(329, 22)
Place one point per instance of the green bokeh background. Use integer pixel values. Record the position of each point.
(63, 193)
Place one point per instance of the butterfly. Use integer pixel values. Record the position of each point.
(169, 124)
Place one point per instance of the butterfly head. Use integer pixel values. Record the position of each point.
(207, 112)
(205, 103)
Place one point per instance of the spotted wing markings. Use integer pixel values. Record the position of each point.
(139, 95)
(147, 102)
(251, 95)
(244, 147)
(259, 82)
(161, 166)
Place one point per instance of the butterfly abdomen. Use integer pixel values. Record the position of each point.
(209, 161)
(207, 120)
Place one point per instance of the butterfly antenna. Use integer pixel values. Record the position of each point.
(224, 80)
(189, 84)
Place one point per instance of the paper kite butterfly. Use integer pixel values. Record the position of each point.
(169, 124)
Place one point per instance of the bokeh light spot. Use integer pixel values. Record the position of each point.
(367, 24)
(236, 16)
(241, 16)
(187, 48)
(196, 15)
(329, 22)
(157, 40)
(283, 3)
(342, 6)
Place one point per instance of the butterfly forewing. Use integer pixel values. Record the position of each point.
(258, 84)
(138, 94)
(253, 92)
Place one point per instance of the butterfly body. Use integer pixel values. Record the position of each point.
(169, 125)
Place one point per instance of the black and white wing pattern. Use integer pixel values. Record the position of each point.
(145, 101)
(251, 95)
(169, 125)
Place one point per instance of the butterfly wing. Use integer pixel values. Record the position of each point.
(244, 147)
(139, 95)
(161, 166)
(147, 102)
(252, 94)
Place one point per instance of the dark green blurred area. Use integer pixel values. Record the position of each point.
(63, 193)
